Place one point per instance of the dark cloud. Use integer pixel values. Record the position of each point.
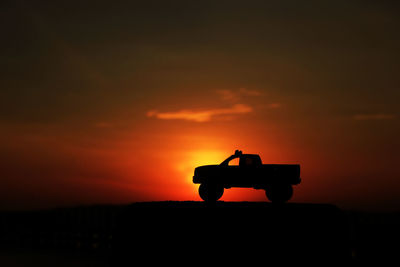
(64, 58)
(374, 116)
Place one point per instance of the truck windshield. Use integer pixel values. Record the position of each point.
(226, 162)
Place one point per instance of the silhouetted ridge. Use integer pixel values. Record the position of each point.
(230, 232)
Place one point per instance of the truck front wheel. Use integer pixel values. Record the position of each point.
(210, 192)
(279, 193)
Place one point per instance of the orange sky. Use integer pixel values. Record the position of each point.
(119, 104)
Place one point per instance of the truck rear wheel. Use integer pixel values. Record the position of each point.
(279, 193)
(210, 192)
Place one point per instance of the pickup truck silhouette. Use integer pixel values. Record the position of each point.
(276, 179)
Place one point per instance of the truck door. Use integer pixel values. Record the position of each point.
(233, 172)
(248, 170)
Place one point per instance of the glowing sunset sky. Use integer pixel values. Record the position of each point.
(118, 101)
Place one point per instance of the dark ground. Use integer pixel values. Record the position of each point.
(194, 232)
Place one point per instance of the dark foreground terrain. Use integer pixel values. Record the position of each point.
(196, 233)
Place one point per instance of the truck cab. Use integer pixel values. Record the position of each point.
(245, 160)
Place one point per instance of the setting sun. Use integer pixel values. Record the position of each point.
(197, 158)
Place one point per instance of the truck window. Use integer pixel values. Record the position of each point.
(248, 162)
(234, 162)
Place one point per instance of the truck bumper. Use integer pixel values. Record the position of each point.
(196, 180)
